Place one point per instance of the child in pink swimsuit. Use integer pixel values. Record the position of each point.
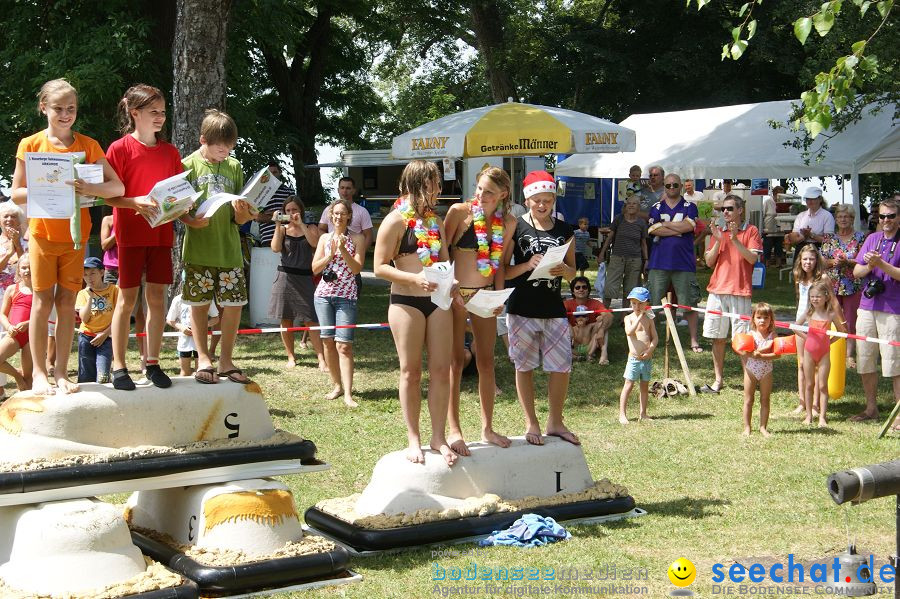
(758, 366)
(14, 317)
(820, 315)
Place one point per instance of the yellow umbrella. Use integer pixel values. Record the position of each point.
(513, 129)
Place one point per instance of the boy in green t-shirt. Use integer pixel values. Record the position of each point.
(213, 262)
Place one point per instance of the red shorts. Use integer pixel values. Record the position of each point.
(134, 262)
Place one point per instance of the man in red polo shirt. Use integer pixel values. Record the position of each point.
(731, 253)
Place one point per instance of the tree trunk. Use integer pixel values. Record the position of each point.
(299, 85)
(198, 56)
(488, 24)
(198, 82)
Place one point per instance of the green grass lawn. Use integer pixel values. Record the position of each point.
(712, 495)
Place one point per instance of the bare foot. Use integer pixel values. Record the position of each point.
(334, 393)
(822, 423)
(494, 438)
(645, 417)
(449, 455)
(799, 409)
(604, 361)
(623, 419)
(746, 432)
(66, 386)
(565, 435)
(323, 367)
(497, 391)
(863, 416)
(414, 454)
(815, 411)
(291, 363)
(349, 402)
(807, 421)
(41, 385)
(458, 445)
(765, 432)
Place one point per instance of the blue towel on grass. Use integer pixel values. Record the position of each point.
(530, 530)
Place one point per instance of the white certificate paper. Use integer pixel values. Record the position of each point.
(553, 257)
(485, 302)
(214, 202)
(442, 274)
(48, 194)
(90, 173)
(260, 189)
(174, 197)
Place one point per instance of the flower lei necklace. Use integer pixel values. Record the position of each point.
(426, 229)
(487, 260)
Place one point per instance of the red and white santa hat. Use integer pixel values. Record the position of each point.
(538, 182)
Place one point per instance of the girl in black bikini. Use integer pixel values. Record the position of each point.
(482, 229)
(410, 238)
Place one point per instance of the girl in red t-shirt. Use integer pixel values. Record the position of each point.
(142, 158)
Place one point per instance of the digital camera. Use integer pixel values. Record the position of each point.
(328, 275)
(873, 288)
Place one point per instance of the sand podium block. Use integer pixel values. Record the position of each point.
(100, 440)
(193, 528)
(98, 419)
(408, 505)
(163, 443)
(78, 548)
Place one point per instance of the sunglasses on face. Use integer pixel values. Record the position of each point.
(891, 215)
(673, 185)
(727, 208)
(580, 287)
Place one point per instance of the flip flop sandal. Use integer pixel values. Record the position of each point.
(708, 389)
(568, 437)
(671, 389)
(681, 388)
(235, 375)
(205, 376)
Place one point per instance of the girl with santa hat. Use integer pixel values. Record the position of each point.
(538, 327)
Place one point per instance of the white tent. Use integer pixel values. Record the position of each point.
(738, 142)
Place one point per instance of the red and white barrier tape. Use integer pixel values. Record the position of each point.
(373, 326)
(383, 325)
(789, 325)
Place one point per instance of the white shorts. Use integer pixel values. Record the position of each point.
(880, 325)
(715, 326)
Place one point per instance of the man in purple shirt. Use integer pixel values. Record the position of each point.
(672, 261)
(878, 264)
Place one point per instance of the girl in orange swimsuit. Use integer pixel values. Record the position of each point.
(816, 347)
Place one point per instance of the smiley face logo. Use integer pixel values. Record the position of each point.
(682, 572)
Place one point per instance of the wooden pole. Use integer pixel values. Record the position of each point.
(666, 355)
(670, 320)
(890, 420)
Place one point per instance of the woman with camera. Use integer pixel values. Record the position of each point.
(293, 288)
(339, 258)
(878, 264)
(839, 250)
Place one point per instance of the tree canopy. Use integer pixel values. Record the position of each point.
(355, 73)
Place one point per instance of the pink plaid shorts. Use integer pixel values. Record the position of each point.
(531, 339)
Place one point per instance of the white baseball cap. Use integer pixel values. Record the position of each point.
(812, 193)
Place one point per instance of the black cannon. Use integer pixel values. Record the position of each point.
(870, 482)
